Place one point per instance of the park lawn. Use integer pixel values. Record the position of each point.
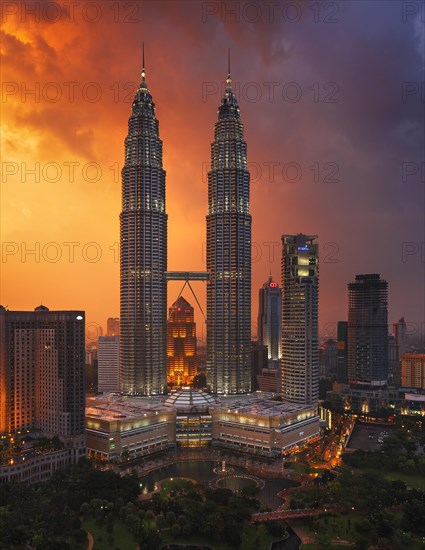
(330, 547)
(411, 480)
(333, 526)
(249, 539)
(176, 485)
(123, 539)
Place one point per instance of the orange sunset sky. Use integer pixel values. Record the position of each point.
(327, 129)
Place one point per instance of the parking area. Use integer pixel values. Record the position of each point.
(368, 437)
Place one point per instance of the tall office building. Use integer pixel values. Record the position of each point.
(42, 375)
(368, 330)
(270, 320)
(342, 352)
(181, 344)
(228, 254)
(113, 326)
(108, 364)
(143, 253)
(300, 300)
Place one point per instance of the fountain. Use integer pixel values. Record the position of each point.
(223, 470)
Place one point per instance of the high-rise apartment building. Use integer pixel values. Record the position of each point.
(229, 254)
(368, 330)
(42, 374)
(300, 300)
(143, 253)
(108, 364)
(270, 320)
(113, 326)
(181, 344)
(413, 370)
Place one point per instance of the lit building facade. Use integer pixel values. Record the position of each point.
(229, 254)
(368, 330)
(181, 344)
(193, 417)
(413, 370)
(143, 254)
(42, 375)
(300, 300)
(108, 364)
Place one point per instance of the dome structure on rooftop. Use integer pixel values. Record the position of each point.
(189, 399)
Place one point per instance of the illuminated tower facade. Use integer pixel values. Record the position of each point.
(181, 344)
(228, 254)
(143, 254)
(300, 305)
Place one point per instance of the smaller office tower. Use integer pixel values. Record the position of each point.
(368, 330)
(108, 369)
(328, 359)
(270, 320)
(181, 344)
(341, 355)
(300, 300)
(113, 326)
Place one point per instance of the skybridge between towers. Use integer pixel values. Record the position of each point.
(187, 276)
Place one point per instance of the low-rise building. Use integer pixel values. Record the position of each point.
(120, 428)
(264, 427)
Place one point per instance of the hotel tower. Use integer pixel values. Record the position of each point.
(228, 254)
(143, 253)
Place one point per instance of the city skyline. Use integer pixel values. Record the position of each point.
(370, 190)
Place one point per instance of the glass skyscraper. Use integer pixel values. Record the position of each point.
(228, 254)
(300, 301)
(143, 254)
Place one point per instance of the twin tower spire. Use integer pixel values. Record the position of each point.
(143, 253)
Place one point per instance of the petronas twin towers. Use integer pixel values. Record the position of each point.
(143, 253)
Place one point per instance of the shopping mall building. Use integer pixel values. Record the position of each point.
(125, 428)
